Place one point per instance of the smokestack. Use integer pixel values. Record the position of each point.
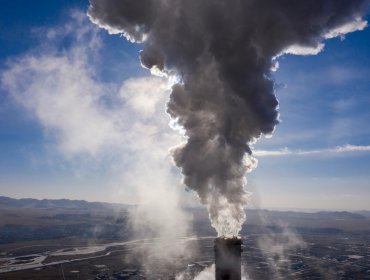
(228, 258)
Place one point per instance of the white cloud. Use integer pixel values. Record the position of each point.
(266, 153)
(285, 151)
(356, 25)
(351, 148)
(62, 95)
(304, 50)
(62, 92)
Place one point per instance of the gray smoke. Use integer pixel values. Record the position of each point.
(221, 54)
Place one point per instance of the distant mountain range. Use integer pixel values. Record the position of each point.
(33, 219)
(7, 202)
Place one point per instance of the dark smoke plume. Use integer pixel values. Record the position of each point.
(221, 53)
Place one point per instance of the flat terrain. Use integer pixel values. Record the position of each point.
(95, 242)
(334, 257)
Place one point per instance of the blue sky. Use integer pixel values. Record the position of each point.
(80, 118)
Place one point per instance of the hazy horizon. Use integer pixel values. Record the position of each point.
(249, 207)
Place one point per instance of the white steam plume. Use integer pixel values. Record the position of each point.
(58, 87)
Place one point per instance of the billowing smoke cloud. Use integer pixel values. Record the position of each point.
(221, 54)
